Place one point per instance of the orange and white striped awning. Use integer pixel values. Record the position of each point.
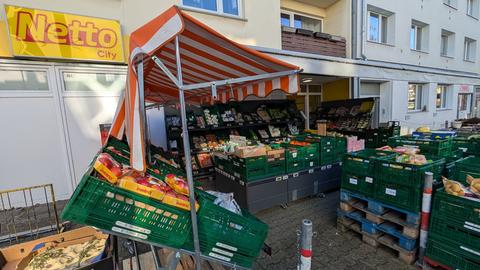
(206, 58)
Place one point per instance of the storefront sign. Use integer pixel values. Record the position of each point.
(465, 88)
(40, 33)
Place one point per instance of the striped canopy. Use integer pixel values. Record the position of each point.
(206, 58)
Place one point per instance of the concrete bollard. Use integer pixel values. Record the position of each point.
(305, 262)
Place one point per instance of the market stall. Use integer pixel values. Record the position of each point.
(175, 58)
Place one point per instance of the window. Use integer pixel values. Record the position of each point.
(419, 36)
(377, 27)
(441, 97)
(415, 37)
(472, 8)
(447, 43)
(229, 7)
(464, 102)
(94, 82)
(23, 80)
(415, 98)
(451, 3)
(300, 21)
(470, 48)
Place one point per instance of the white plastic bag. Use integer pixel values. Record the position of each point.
(226, 201)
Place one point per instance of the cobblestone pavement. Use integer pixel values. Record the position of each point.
(331, 248)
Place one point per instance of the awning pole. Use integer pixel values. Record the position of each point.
(141, 96)
(188, 158)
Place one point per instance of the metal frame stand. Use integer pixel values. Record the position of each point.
(178, 81)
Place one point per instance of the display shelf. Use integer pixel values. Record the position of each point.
(351, 115)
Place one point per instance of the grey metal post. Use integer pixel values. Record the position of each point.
(426, 205)
(143, 114)
(305, 262)
(188, 158)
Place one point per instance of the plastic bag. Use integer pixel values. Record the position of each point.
(457, 189)
(474, 185)
(226, 201)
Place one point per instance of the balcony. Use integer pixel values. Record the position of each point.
(306, 41)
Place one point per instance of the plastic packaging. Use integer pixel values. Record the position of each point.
(226, 201)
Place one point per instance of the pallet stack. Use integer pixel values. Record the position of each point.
(381, 199)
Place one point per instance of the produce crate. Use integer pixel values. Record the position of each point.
(358, 183)
(312, 162)
(276, 167)
(295, 166)
(226, 235)
(440, 147)
(467, 166)
(469, 147)
(327, 159)
(293, 153)
(463, 210)
(451, 255)
(402, 196)
(409, 175)
(223, 162)
(456, 232)
(364, 161)
(249, 169)
(98, 203)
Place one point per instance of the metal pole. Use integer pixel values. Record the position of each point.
(141, 96)
(307, 106)
(305, 262)
(188, 158)
(426, 204)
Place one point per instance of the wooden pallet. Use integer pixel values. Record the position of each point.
(379, 239)
(385, 211)
(389, 220)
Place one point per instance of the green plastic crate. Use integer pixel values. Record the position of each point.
(453, 207)
(467, 166)
(359, 183)
(224, 163)
(239, 238)
(364, 161)
(451, 255)
(437, 147)
(293, 153)
(295, 166)
(276, 167)
(98, 203)
(455, 232)
(402, 196)
(327, 159)
(468, 147)
(410, 175)
(249, 169)
(312, 162)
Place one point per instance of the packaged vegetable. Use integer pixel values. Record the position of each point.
(178, 184)
(474, 185)
(457, 189)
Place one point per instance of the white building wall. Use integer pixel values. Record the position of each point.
(438, 16)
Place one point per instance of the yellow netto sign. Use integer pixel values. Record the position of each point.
(47, 34)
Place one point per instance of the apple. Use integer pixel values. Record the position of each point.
(127, 178)
(172, 194)
(116, 171)
(182, 197)
(105, 161)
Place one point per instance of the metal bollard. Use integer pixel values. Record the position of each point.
(426, 205)
(305, 262)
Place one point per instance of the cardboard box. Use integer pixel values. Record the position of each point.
(250, 151)
(12, 256)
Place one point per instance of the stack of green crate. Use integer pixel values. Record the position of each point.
(249, 169)
(275, 164)
(294, 158)
(312, 157)
(467, 146)
(223, 162)
(454, 234)
(437, 147)
(467, 166)
(359, 170)
(328, 153)
(401, 184)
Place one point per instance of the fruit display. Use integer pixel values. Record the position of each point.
(54, 255)
(263, 134)
(211, 117)
(178, 184)
(142, 183)
(293, 128)
(228, 115)
(274, 132)
(262, 112)
(276, 113)
(200, 121)
(457, 189)
(173, 121)
(205, 160)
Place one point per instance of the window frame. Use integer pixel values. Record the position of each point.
(450, 4)
(219, 11)
(444, 47)
(381, 35)
(419, 98)
(444, 97)
(418, 46)
(292, 14)
(29, 93)
(472, 8)
(88, 70)
(466, 50)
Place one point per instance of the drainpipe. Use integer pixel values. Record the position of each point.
(362, 26)
(354, 29)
